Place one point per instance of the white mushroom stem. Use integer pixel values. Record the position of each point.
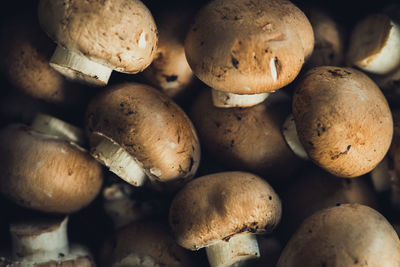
(374, 46)
(79, 68)
(229, 100)
(380, 176)
(238, 248)
(56, 127)
(32, 242)
(117, 159)
(292, 139)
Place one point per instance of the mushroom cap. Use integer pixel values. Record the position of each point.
(120, 34)
(346, 235)
(25, 62)
(218, 206)
(246, 138)
(44, 173)
(132, 115)
(142, 242)
(316, 190)
(343, 120)
(246, 47)
(169, 70)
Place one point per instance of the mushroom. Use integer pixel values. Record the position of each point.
(374, 44)
(223, 212)
(144, 243)
(25, 54)
(316, 190)
(329, 40)
(44, 243)
(342, 120)
(246, 138)
(245, 50)
(139, 133)
(169, 70)
(96, 37)
(347, 235)
(47, 171)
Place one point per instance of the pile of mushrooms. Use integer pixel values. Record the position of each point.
(264, 132)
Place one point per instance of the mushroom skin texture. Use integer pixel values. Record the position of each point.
(44, 243)
(343, 120)
(149, 128)
(169, 70)
(248, 48)
(346, 235)
(223, 212)
(143, 243)
(96, 37)
(44, 172)
(246, 138)
(316, 190)
(329, 40)
(25, 63)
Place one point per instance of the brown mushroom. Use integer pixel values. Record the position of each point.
(246, 138)
(245, 50)
(96, 37)
(46, 172)
(223, 212)
(144, 243)
(25, 54)
(347, 235)
(137, 131)
(342, 119)
(45, 243)
(169, 70)
(315, 190)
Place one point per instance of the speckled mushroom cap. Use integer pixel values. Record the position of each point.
(246, 47)
(218, 206)
(25, 62)
(246, 138)
(343, 120)
(315, 190)
(143, 243)
(348, 235)
(120, 34)
(149, 126)
(44, 173)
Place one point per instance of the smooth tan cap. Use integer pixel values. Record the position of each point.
(218, 206)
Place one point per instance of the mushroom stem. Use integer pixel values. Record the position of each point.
(56, 127)
(292, 139)
(36, 242)
(374, 45)
(229, 100)
(380, 176)
(239, 248)
(117, 159)
(79, 68)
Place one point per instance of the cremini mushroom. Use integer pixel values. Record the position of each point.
(96, 37)
(169, 70)
(315, 190)
(246, 138)
(245, 50)
(374, 43)
(25, 54)
(145, 243)
(223, 212)
(329, 39)
(44, 243)
(347, 235)
(342, 120)
(138, 132)
(47, 170)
